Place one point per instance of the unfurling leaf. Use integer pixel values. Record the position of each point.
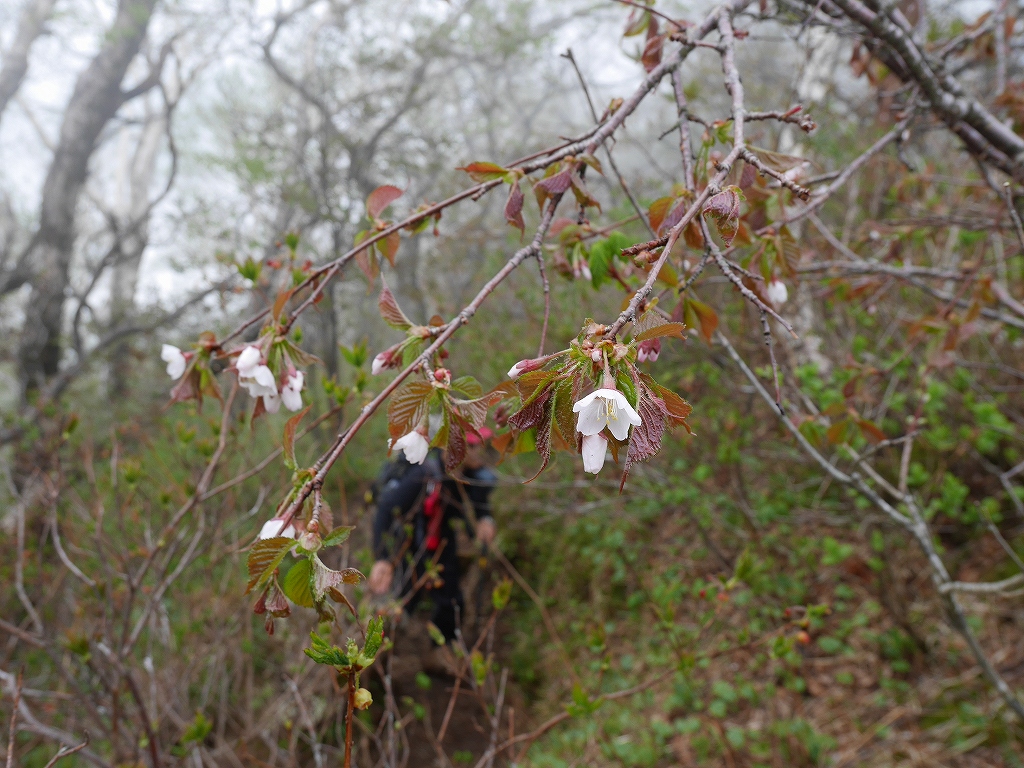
(289, 437)
(660, 331)
(408, 407)
(264, 557)
(481, 172)
(380, 199)
(514, 208)
(699, 315)
(391, 312)
(724, 209)
(651, 57)
(324, 578)
(556, 183)
(388, 246)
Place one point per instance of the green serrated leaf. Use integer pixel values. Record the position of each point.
(296, 585)
(338, 535)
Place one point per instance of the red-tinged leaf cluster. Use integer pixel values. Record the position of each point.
(724, 210)
(539, 402)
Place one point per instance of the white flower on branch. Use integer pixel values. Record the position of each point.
(595, 448)
(380, 362)
(272, 529)
(414, 445)
(291, 393)
(777, 292)
(605, 408)
(256, 377)
(175, 359)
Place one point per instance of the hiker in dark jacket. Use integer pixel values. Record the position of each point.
(427, 500)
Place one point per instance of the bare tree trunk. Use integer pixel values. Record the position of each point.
(135, 179)
(31, 26)
(94, 102)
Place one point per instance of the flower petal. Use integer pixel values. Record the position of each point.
(248, 360)
(415, 447)
(292, 398)
(595, 449)
(264, 377)
(272, 529)
(593, 418)
(272, 403)
(583, 402)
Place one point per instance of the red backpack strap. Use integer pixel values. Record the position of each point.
(434, 513)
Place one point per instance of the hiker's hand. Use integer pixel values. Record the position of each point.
(380, 577)
(486, 530)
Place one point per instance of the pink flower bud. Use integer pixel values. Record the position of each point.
(525, 366)
(648, 351)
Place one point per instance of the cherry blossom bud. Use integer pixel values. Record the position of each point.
(595, 448)
(777, 292)
(291, 393)
(380, 362)
(442, 378)
(272, 529)
(525, 366)
(176, 360)
(595, 355)
(363, 699)
(648, 351)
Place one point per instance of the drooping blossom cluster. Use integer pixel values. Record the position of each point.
(257, 378)
(648, 351)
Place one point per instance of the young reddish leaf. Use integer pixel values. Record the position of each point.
(871, 430)
(481, 172)
(531, 413)
(556, 183)
(391, 312)
(645, 439)
(289, 437)
(388, 247)
(724, 209)
(380, 199)
(366, 259)
(660, 331)
(837, 432)
(651, 56)
(408, 407)
(593, 162)
(324, 578)
(699, 314)
(264, 557)
(676, 214)
(279, 304)
(658, 211)
(455, 449)
(542, 442)
(693, 236)
(676, 408)
(582, 194)
(514, 208)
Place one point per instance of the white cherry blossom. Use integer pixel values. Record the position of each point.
(175, 359)
(777, 292)
(605, 407)
(247, 361)
(595, 448)
(380, 362)
(291, 393)
(273, 525)
(414, 445)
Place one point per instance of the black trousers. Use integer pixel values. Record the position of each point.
(447, 598)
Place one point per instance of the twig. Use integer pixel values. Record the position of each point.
(13, 729)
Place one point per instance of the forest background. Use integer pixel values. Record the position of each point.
(827, 571)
